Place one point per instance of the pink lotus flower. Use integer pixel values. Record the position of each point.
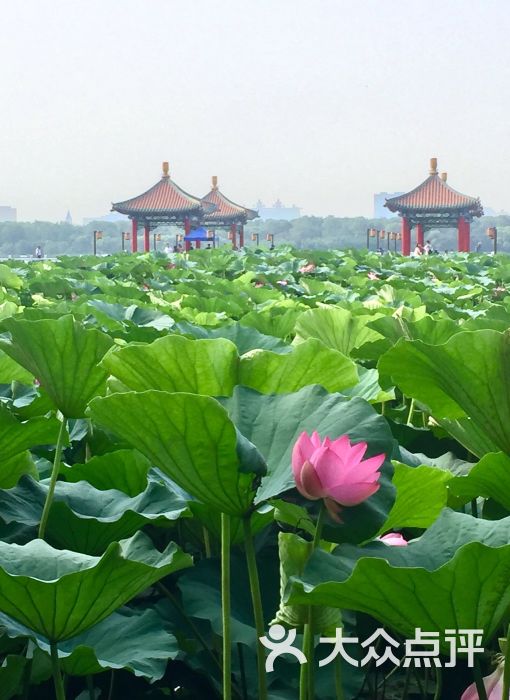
(284, 283)
(307, 268)
(373, 276)
(334, 470)
(493, 686)
(394, 539)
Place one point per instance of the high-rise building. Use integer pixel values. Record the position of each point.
(69, 218)
(8, 214)
(380, 211)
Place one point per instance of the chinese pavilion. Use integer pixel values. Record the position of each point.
(163, 204)
(434, 204)
(223, 213)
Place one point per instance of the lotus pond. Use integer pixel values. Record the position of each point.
(307, 448)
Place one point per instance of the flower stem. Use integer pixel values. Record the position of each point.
(306, 684)
(439, 684)
(256, 600)
(318, 528)
(57, 676)
(480, 685)
(225, 605)
(53, 480)
(305, 668)
(506, 672)
(339, 688)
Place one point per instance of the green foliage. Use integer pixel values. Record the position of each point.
(185, 382)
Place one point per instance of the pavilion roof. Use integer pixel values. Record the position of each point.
(434, 195)
(165, 197)
(226, 209)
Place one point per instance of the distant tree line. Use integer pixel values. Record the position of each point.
(17, 239)
(336, 232)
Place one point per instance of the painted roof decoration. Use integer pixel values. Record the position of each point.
(435, 195)
(225, 210)
(164, 196)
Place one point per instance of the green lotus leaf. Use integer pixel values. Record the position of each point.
(466, 377)
(277, 319)
(129, 639)
(246, 338)
(64, 357)
(12, 672)
(310, 362)
(8, 278)
(490, 478)
(11, 371)
(17, 436)
(60, 594)
(368, 387)
(175, 363)
(11, 470)
(200, 589)
(124, 470)
(421, 496)
(87, 520)
(454, 577)
(190, 438)
(337, 328)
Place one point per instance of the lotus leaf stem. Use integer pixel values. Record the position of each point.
(256, 600)
(225, 605)
(53, 480)
(57, 676)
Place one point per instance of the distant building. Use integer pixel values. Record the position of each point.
(69, 218)
(277, 211)
(114, 216)
(8, 214)
(380, 211)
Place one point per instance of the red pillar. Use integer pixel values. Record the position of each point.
(187, 229)
(197, 244)
(467, 236)
(406, 236)
(463, 238)
(146, 238)
(134, 236)
(419, 234)
(241, 235)
(233, 235)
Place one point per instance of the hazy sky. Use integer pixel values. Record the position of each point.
(318, 102)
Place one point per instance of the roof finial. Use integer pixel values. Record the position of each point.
(165, 168)
(215, 182)
(444, 177)
(433, 166)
